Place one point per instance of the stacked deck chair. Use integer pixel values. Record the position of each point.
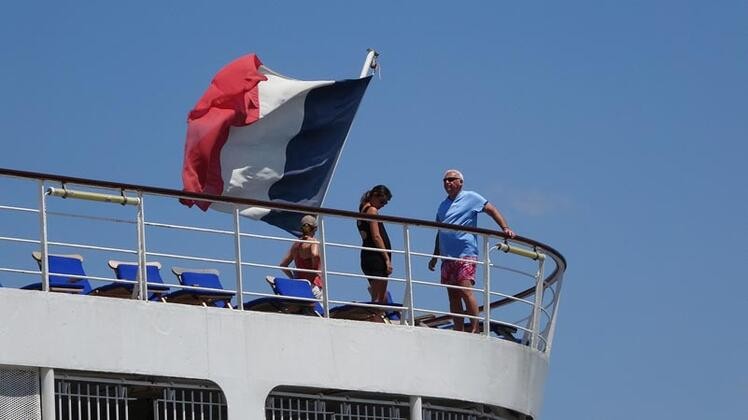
(210, 292)
(500, 329)
(367, 313)
(503, 330)
(66, 274)
(267, 303)
(294, 297)
(129, 271)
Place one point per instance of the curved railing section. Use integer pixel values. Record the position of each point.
(518, 280)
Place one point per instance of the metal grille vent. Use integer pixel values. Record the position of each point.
(370, 410)
(84, 401)
(19, 394)
(190, 404)
(294, 406)
(451, 413)
(448, 415)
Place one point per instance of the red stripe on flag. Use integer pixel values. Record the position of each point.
(232, 99)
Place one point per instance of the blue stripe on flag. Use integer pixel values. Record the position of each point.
(312, 153)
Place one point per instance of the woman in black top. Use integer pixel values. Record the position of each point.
(373, 234)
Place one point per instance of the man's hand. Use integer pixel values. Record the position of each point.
(389, 267)
(510, 233)
(432, 263)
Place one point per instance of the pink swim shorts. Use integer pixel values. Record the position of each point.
(458, 272)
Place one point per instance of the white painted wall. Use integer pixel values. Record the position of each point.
(249, 353)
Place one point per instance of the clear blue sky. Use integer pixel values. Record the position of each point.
(614, 131)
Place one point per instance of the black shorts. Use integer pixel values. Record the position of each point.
(373, 264)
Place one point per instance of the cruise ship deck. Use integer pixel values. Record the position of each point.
(119, 303)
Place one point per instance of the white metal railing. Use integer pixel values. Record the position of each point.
(533, 300)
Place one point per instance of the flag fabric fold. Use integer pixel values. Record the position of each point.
(257, 134)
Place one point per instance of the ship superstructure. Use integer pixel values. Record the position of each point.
(153, 343)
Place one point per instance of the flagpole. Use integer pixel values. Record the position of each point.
(370, 64)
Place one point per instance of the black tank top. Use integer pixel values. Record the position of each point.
(364, 229)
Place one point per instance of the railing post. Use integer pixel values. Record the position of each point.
(486, 287)
(536, 305)
(238, 253)
(416, 408)
(323, 263)
(552, 330)
(47, 391)
(141, 291)
(408, 300)
(43, 235)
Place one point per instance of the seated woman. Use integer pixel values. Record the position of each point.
(373, 235)
(305, 255)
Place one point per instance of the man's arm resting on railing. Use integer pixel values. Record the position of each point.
(496, 215)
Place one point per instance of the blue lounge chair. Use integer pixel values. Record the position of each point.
(66, 274)
(204, 278)
(297, 288)
(129, 271)
(392, 315)
(289, 291)
(266, 303)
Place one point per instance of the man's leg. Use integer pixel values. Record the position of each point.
(455, 302)
(466, 278)
(471, 305)
(455, 306)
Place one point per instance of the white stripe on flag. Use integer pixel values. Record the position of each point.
(254, 156)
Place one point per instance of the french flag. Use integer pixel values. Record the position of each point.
(261, 135)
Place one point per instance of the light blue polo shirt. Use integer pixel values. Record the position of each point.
(462, 211)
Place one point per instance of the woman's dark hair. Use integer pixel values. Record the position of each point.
(377, 189)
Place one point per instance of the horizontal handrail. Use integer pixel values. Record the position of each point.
(366, 276)
(19, 209)
(189, 228)
(513, 270)
(93, 247)
(10, 239)
(191, 258)
(89, 217)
